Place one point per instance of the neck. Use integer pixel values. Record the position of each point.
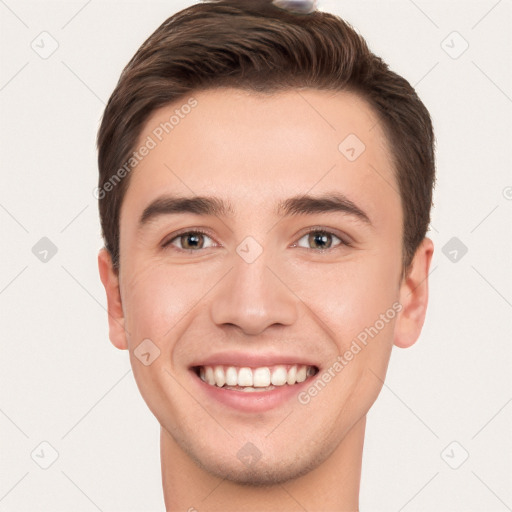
(332, 486)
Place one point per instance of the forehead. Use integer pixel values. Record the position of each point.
(258, 149)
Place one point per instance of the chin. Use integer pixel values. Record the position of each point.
(258, 472)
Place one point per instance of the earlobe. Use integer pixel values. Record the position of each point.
(110, 280)
(414, 297)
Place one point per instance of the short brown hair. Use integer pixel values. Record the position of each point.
(254, 45)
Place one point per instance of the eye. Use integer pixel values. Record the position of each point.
(322, 239)
(189, 241)
(194, 241)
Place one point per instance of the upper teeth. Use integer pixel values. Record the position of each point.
(264, 376)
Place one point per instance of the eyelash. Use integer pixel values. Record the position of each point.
(343, 243)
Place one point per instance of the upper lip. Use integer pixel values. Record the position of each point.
(255, 360)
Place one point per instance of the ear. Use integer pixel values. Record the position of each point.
(110, 279)
(414, 297)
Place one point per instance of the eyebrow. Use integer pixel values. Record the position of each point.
(206, 205)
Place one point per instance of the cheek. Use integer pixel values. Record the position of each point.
(349, 296)
(353, 304)
(156, 298)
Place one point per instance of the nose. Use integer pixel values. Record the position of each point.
(253, 297)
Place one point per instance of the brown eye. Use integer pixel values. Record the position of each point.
(192, 241)
(320, 240)
(189, 241)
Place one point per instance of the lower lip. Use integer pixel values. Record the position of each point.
(257, 401)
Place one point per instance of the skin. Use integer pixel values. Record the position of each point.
(255, 150)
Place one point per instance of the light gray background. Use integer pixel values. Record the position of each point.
(61, 381)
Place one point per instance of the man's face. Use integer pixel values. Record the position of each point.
(262, 288)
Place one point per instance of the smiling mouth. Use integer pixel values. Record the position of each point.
(245, 378)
